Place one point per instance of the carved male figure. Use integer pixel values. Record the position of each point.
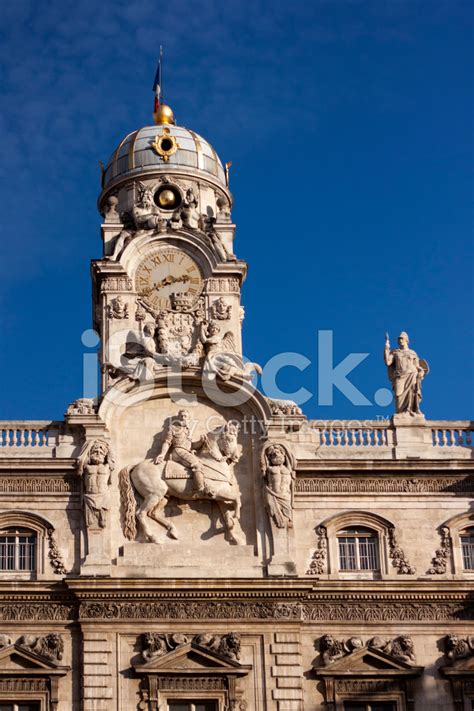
(178, 441)
(405, 371)
(96, 465)
(279, 473)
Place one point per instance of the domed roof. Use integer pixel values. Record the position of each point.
(162, 148)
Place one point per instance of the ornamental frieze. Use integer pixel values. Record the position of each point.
(48, 611)
(39, 485)
(337, 611)
(383, 485)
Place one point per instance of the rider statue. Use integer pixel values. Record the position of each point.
(178, 441)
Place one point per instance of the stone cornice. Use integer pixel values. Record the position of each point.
(287, 601)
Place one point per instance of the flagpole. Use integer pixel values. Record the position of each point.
(161, 73)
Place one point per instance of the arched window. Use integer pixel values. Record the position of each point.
(28, 547)
(466, 538)
(358, 549)
(18, 550)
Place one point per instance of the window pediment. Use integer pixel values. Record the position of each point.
(191, 658)
(17, 658)
(369, 661)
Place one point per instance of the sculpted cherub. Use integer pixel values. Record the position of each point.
(221, 357)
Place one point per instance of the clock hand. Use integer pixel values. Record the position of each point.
(167, 281)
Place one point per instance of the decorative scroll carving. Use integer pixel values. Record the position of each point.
(440, 560)
(383, 485)
(221, 310)
(397, 555)
(286, 408)
(199, 470)
(54, 554)
(157, 644)
(317, 565)
(96, 464)
(117, 309)
(278, 468)
(458, 647)
(50, 646)
(400, 648)
(117, 283)
(39, 485)
(82, 406)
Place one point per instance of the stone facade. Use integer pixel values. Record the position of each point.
(193, 540)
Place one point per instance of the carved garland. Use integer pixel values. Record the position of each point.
(54, 554)
(399, 560)
(317, 565)
(440, 560)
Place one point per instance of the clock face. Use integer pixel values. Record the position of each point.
(165, 271)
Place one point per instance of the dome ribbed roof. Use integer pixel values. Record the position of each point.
(135, 155)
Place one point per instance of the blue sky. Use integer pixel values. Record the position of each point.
(349, 124)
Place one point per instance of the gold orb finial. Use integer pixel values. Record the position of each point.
(164, 114)
(167, 198)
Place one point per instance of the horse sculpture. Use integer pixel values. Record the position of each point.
(157, 480)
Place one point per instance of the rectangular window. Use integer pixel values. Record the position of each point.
(20, 706)
(358, 552)
(17, 552)
(467, 545)
(347, 553)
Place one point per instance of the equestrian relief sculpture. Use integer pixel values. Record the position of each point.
(186, 471)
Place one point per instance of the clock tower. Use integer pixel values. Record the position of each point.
(166, 292)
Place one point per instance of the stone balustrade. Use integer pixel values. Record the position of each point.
(352, 434)
(29, 438)
(437, 438)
